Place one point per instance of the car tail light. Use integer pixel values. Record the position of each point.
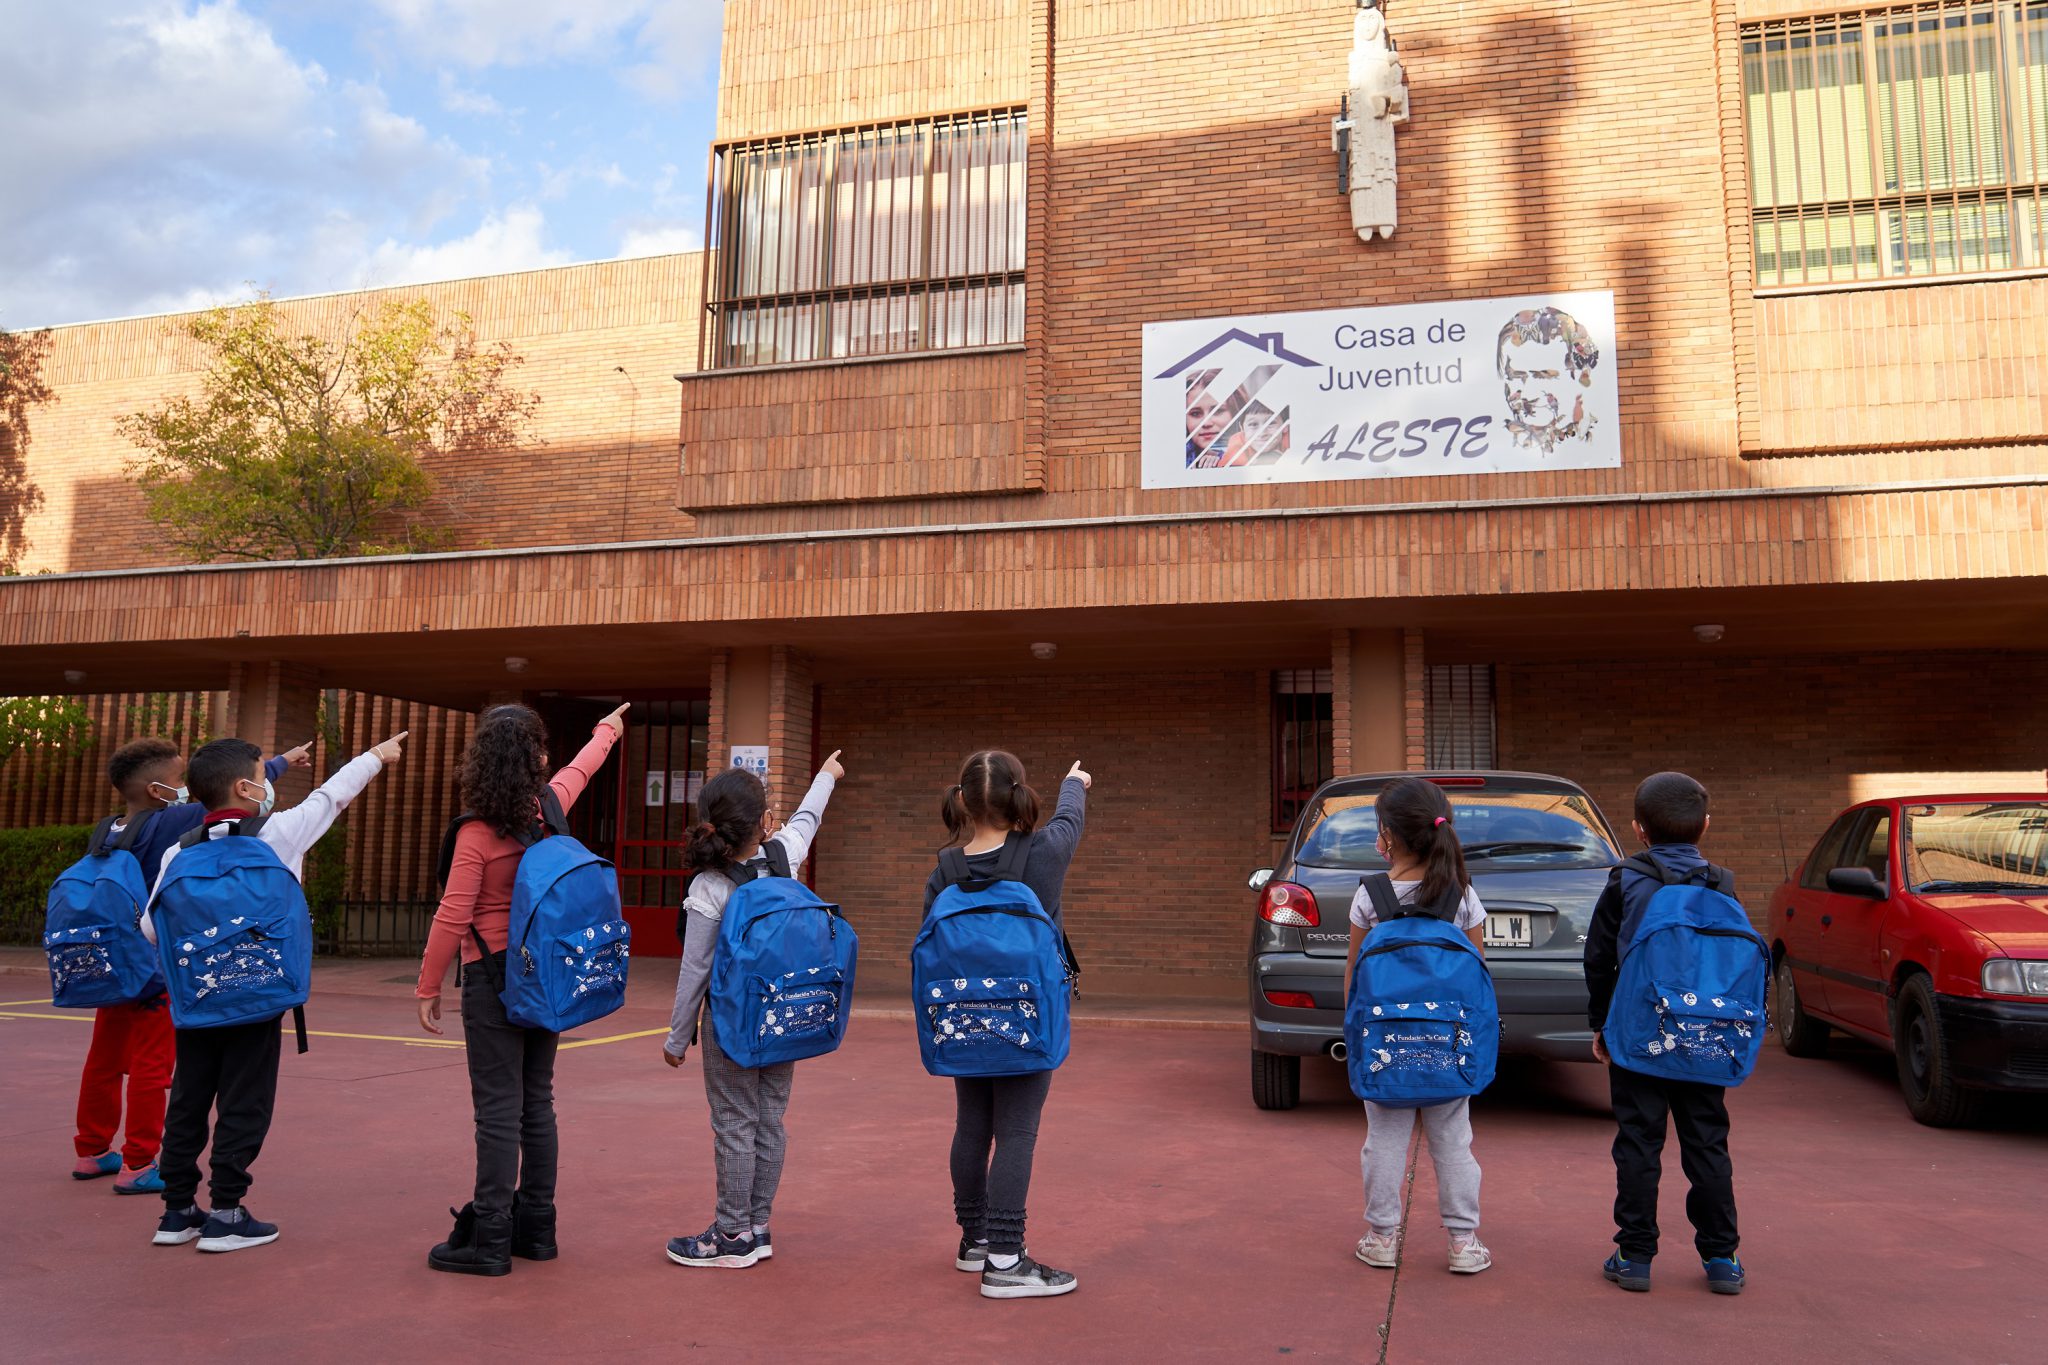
(1289, 904)
(1458, 781)
(1294, 1000)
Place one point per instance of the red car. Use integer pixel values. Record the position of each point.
(1920, 923)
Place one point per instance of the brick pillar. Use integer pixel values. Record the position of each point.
(789, 724)
(276, 706)
(715, 757)
(1369, 725)
(1414, 699)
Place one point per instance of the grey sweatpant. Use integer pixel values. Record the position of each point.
(747, 1104)
(1448, 1129)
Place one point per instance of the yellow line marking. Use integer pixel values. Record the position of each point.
(442, 1043)
(81, 1017)
(39, 1000)
(616, 1038)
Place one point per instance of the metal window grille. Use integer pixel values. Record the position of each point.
(1303, 740)
(879, 239)
(1898, 143)
(1457, 716)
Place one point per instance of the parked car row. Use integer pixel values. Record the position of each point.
(1918, 923)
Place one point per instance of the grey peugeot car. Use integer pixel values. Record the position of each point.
(1538, 850)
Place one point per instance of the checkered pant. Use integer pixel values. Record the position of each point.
(748, 1140)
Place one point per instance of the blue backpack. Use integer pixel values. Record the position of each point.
(1421, 1025)
(568, 943)
(232, 931)
(91, 924)
(782, 978)
(990, 973)
(1690, 1001)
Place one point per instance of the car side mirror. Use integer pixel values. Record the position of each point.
(1260, 878)
(1856, 881)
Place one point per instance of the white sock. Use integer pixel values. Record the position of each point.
(1002, 1260)
(981, 1241)
(760, 1228)
(743, 1235)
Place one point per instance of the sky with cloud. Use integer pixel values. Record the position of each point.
(168, 154)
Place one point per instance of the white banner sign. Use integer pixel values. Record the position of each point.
(1472, 386)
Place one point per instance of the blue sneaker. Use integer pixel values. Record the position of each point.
(145, 1181)
(179, 1226)
(235, 1229)
(1633, 1276)
(93, 1167)
(713, 1247)
(1724, 1274)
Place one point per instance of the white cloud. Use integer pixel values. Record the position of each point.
(517, 240)
(660, 239)
(665, 47)
(457, 99)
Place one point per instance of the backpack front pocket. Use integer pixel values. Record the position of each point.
(234, 961)
(985, 1014)
(81, 958)
(594, 960)
(796, 1008)
(1421, 1045)
(1707, 1033)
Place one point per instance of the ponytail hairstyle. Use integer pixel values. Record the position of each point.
(1417, 815)
(504, 769)
(729, 812)
(991, 791)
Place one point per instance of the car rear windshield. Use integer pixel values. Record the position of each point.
(1969, 846)
(1501, 827)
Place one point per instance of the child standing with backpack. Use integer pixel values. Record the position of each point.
(236, 942)
(1650, 1047)
(991, 818)
(132, 1038)
(503, 779)
(734, 841)
(1425, 875)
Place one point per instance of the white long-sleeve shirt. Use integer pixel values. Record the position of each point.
(290, 833)
(705, 902)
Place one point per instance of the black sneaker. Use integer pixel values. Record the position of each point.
(1026, 1280)
(973, 1256)
(766, 1244)
(235, 1229)
(713, 1247)
(179, 1226)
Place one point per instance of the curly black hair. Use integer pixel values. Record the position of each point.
(504, 769)
(138, 762)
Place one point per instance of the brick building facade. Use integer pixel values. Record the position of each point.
(857, 543)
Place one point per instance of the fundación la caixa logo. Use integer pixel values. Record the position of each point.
(1412, 381)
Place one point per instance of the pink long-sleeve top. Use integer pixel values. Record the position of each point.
(479, 890)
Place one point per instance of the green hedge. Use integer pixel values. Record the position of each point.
(30, 860)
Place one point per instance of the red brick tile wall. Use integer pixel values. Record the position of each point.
(1176, 820)
(1781, 744)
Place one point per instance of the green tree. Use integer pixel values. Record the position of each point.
(41, 729)
(304, 446)
(21, 387)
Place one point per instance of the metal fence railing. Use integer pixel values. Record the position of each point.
(375, 929)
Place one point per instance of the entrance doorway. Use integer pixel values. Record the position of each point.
(639, 811)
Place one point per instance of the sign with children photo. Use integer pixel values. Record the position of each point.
(1473, 386)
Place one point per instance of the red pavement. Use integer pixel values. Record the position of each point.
(1201, 1228)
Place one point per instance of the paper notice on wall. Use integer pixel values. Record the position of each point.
(683, 785)
(657, 789)
(752, 757)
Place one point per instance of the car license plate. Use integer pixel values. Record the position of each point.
(1510, 930)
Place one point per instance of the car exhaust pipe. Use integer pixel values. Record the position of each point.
(1338, 1051)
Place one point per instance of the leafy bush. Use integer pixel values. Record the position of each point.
(30, 860)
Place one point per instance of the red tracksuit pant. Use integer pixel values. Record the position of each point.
(134, 1041)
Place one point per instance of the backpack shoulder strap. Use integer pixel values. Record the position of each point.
(198, 834)
(778, 858)
(552, 816)
(444, 861)
(1654, 870)
(97, 843)
(953, 869)
(1015, 853)
(1379, 889)
(1448, 905)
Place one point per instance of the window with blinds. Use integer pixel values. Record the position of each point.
(875, 240)
(1898, 143)
(1458, 716)
(1304, 740)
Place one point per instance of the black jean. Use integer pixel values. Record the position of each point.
(229, 1074)
(1700, 1113)
(512, 1087)
(989, 1192)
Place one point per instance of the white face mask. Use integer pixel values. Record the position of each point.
(269, 800)
(169, 795)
